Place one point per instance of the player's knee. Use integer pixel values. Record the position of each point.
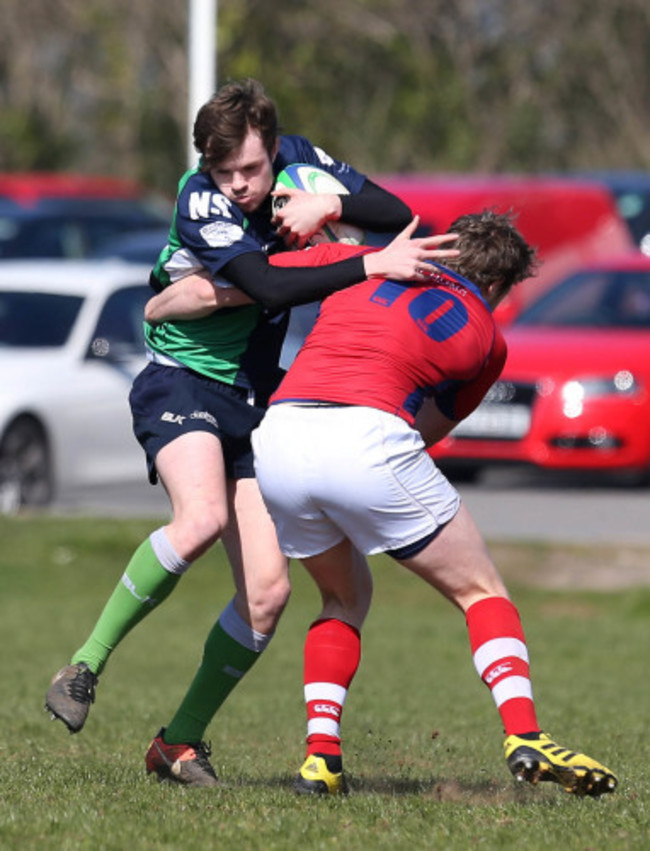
(277, 595)
(199, 531)
(353, 597)
(267, 601)
(351, 606)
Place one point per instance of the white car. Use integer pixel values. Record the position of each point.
(71, 343)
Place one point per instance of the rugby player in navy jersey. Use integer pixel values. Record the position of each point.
(342, 465)
(206, 388)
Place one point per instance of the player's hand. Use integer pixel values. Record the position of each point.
(303, 214)
(405, 258)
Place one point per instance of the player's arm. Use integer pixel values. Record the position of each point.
(375, 208)
(276, 289)
(432, 424)
(254, 278)
(441, 412)
(192, 297)
(195, 296)
(372, 208)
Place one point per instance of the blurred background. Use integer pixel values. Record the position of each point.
(540, 108)
(474, 85)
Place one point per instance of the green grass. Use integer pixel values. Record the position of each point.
(423, 743)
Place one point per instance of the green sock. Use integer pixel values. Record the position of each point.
(144, 585)
(225, 661)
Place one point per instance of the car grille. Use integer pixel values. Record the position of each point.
(504, 414)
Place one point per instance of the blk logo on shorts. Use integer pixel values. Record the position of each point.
(168, 417)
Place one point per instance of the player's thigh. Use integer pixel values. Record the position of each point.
(192, 471)
(457, 563)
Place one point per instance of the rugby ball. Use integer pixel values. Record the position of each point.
(316, 180)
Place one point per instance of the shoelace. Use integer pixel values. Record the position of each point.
(82, 688)
(203, 751)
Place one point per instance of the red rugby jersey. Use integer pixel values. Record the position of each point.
(388, 345)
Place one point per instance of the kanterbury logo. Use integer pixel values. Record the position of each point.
(492, 675)
(328, 709)
(204, 415)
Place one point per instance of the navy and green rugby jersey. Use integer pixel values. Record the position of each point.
(240, 345)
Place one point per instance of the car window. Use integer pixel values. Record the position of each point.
(634, 207)
(38, 238)
(119, 330)
(60, 236)
(139, 246)
(633, 300)
(576, 301)
(36, 319)
(73, 227)
(600, 299)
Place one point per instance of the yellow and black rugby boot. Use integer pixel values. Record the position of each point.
(321, 774)
(535, 757)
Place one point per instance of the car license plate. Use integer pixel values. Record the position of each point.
(497, 422)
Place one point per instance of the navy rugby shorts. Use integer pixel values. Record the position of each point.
(168, 401)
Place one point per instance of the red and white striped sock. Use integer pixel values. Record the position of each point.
(501, 660)
(331, 658)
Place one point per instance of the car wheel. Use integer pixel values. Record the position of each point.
(25, 466)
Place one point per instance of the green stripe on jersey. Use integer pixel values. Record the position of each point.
(212, 346)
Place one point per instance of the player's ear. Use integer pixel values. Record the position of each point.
(494, 294)
(275, 149)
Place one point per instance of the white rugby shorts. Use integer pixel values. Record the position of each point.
(332, 472)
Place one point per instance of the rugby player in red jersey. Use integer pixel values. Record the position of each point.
(341, 461)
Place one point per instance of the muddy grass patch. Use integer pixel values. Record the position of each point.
(564, 567)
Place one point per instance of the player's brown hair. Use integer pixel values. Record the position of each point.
(222, 123)
(492, 251)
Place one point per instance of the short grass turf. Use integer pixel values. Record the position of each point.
(422, 739)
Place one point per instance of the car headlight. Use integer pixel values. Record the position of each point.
(576, 391)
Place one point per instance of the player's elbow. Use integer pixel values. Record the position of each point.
(151, 311)
(274, 302)
(268, 297)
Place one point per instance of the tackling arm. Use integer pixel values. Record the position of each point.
(256, 279)
(192, 297)
(459, 398)
(432, 424)
(277, 289)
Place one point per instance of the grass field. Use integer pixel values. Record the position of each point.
(423, 743)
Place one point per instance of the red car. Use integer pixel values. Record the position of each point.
(570, 222)
(575, 391)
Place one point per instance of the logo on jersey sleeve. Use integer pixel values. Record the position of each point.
(323, 157)
(207, 205)
(221, 234)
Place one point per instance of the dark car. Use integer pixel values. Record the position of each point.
(72, 216)
(140, 246)
(631, 192)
